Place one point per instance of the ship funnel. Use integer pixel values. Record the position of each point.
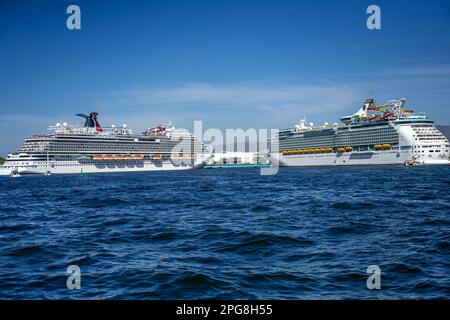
(91, 121)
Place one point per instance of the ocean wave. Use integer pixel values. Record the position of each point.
(306, 233)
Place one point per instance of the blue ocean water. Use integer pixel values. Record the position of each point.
(305, 233)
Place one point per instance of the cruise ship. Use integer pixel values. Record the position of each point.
(376, 134)
(94, 149)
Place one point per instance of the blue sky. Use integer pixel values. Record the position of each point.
(232, 64)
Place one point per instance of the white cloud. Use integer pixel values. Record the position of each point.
(275, 96)
(23, 118)
(440, 69)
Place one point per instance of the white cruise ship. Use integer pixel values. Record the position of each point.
(93, 149)
(376, 134)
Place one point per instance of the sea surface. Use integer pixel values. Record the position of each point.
(305, 233)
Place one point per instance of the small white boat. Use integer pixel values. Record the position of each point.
(15, 173)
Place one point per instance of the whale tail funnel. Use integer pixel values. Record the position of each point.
(91, 121)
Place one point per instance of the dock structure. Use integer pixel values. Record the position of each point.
(238, 160)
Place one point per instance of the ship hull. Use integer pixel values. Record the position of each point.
(352, 158)
(92, 167)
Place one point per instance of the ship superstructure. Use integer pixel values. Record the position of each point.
(92, 148)
(375, 134)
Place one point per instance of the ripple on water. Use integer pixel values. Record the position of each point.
(28, 250)
(261, 208)
(349, 205)
(103, 202)
(350, 228)
(254, 242)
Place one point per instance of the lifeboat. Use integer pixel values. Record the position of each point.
(98, 157)
(138, 157)
(348, 148)
(378, 146)
(329, 149)
(119, 157)
(109, 157)
(128, 157)
(323, 150)
(341, 149)
(386, 146)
